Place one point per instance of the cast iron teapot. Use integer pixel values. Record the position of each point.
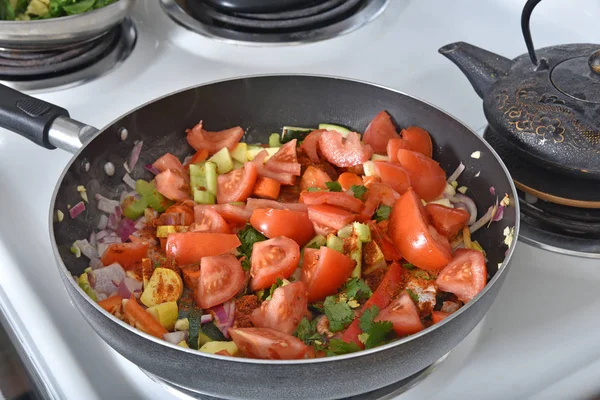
(545, 103)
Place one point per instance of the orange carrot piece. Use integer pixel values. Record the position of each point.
(348, 179)
(267, 188)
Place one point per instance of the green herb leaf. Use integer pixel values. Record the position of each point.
(408, 266)
(382, 213)
(333, 186)
(420, 274)
(339, 313)
(359, 191)
(357, 289)
(313, 189)
(413, 295)
(367, 317)
(338, 347)
(307, 331)
(245, 264)
(375, 332)
(248, 236)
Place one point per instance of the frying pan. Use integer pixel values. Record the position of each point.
(260, 104)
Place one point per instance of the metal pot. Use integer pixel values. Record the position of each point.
(49, 34)
(261, 104)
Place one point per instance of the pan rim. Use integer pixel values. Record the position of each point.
(501, 269)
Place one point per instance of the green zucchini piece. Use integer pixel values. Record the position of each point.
(198, 175)
(316, 242)
(203, 338)
(289, 133)
(84, 284)
(254, 150)
(332, 127)
(204, 197)
(239, 153)
(149, 193)
(354, 245)
(211, 177)
(194, 322)
(135, 208)
(223, 160)
(363, 231)
(335, 243)
(345, 232)
(213, 332)
(274, 140)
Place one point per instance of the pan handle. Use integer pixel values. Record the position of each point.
(43, 123)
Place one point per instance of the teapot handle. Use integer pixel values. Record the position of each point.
(525, 17)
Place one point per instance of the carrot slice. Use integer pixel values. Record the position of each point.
(190, 247)
(111, 303)
(267, 188)
(142, 319)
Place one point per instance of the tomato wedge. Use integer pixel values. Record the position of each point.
(177, 214)
(237, 185)
(314, 177)
(419, 140)
(378, 193)
(267, 188)
(190, 247)
(231, 213)
(339, 199)
(253, 204)
(403, 314)
(111, 304)
(168, 161)
(330, 216)
(269, 344)
(200, 156)
(390, 253)
(199, 138)
(426, 176)
(394, 175)
(292, 224)
(438, 316)
(448, 221)
(344, 151)
(221, 278)
(126, 254)
(285, 160)
(281, 177)
(418, 242)
(349, 179)
(324, 271)
(141, 319)
(208, 220)
(272, 259)
(465, 275)
(285, 309)
(310, 144)
(172, 185)
(394, 145)
(379, 132)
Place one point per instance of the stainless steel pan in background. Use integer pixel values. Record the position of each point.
(261, 105)
(53, 33)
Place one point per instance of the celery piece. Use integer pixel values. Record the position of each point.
(84, 284)
(198, 175)
(345, 232)
(135, 209)
(274, 140)
(149, 193)
(204, 197)
(223, 160)
(237, 164)
(239, 153)
(355, 246)
(363, 231)
(211, 177)
(335, 243)
(316, 242)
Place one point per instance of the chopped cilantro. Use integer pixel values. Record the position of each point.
(382, 213)
(374, 333)
(333, 186)
(420, 274)
(357, 289)
(245, 264)
(313, 189)
(338, 347)
(338, 312)
(248, 236)
(307, 330)
(408, 266)
(413, 295)
(359, 191)
(268, 295)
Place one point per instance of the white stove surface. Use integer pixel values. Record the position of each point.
(539, 340)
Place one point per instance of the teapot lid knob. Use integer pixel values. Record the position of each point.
(594, 62)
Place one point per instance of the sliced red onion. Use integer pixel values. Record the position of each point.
(483, 220)
(135, 155)
(106, 205)
(492, 190)
(176, 337)
(103, 233)
(129, 286)
(102, 222)
(140, 223)
(206, 318)
(469, 204)
(77, 209)
(129, 181)
(92, 239)
(104, 278)
(102, 248)
(149, 167)
(454, 176)
(87, 249)
(150, 214)
(125, 229)
(101, 296)
(95, 263)
(499, 214)
(114, 218)
(187, 159)
(224, 315)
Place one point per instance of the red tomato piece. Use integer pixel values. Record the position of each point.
(267, 188)
(221, 278)
(324, 271)
(190, 247)
(168, 161)
(285, 160)
(419, 140)
(231, 213)
(349, 179)
(403, 314)
(379, 132)
(339, 199)
(394, 145)
(177, 214)
(237, 185)
(281, 177)
(141, 319)
(344, 151)
(310, 145)
(172, 185)
(438, 316)
(285, 309)
(314, 177)
(448, 221)
(199, 138)
(200, 156)
(272, 259)
(126, 254)
(378, 193)
(292, 224)
(390, 253)
(208, 220)
(418, 242)
(465, 275)
(394, 175)
(330, 216)
(426, 176)
(253, 204)
(269, 344)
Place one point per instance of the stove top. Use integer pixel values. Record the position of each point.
(538, 341)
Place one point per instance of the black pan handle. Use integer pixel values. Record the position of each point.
(43, 123)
